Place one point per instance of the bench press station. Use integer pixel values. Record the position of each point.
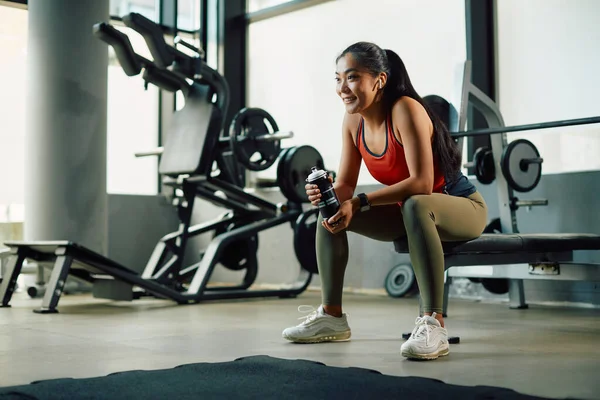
(198, 160)
(515, 166)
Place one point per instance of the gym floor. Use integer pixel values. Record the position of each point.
(551, 352)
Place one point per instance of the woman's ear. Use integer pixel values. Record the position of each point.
(382, 80)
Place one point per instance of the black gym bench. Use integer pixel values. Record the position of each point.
(524, 255)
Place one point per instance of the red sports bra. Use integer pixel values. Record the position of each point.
(390, 166)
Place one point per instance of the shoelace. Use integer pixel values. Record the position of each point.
(312, 313)
(422, 328)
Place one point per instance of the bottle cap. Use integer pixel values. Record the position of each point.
(316, 174)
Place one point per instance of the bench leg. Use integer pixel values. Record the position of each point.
(516, 294)
(9, 280)
(446, 293)
(55, 285)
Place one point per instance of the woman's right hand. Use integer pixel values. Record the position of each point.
(313, 192)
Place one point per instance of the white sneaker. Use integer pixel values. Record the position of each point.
(318, 327)
(427, 341)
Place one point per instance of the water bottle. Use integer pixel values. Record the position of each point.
(329, 204)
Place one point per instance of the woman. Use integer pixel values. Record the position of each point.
(425, 197)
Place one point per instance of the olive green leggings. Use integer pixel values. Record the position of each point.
(425, 220)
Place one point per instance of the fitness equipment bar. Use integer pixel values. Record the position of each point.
(261, 138)
(528, 127)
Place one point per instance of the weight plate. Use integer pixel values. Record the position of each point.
(237, 255)
(443, 110)
(305, 233)
(280, 174)
(493, 227)
(247, 124)
(521, 165)
(400, 281)
(296, 167)
(496, 286)
(483, 164)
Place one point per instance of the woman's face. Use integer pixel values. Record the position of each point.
(355, 85)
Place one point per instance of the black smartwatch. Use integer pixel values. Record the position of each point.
(364, 202)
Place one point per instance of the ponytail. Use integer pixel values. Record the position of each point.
(445, 149)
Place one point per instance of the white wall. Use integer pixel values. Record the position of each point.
(13, 47)
(549, 69)
(132, 127)
(291, 61)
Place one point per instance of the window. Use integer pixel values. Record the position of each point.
(291, 62)
(147, 8)
(132, 126)
(188, 15)
(257, 5)
(548, 63)
(13, 78)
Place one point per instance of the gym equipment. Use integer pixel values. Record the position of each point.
(510, 254)
(522, 165)
(296, 164)
(443, 109)
(527, 127)
(239, 254)
(254, 138)
(400, 281)
(196, 161)
(483, 164)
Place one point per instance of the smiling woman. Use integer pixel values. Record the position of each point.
(292, 77)
(425, 196)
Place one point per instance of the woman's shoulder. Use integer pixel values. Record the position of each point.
(406, 106)
(351, 121)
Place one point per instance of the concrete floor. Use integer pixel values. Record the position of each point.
(540, 351)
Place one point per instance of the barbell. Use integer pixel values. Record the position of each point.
(254, 140)
(521, 163)
(527, 127)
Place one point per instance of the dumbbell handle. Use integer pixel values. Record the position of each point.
(156, 152)
(529, 203)
(524, 163)
(270, 137)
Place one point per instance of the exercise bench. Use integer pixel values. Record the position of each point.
(515, 167)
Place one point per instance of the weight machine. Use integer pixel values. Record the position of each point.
(516, 167)
(198, 160)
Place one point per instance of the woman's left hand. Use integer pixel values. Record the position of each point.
(341, 220)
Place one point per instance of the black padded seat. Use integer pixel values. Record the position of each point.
(492, 243)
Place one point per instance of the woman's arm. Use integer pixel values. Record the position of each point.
(414, 125)
(349, 168)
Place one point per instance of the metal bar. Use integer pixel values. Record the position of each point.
(463, 260)
(281, 9)
(528, 127)
(156, 152)
(9, 280)
(239, 193)
(273, 136)
(214, 250)
(565, 271)
(516, 294)
(54, 287)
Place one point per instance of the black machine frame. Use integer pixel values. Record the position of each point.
(188, 167)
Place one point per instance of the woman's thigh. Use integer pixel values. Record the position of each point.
(383, 223)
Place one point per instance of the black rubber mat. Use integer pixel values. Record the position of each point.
(256, 377)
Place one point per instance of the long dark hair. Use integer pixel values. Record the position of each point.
(376, 60)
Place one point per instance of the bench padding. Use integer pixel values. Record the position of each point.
(517, 243)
